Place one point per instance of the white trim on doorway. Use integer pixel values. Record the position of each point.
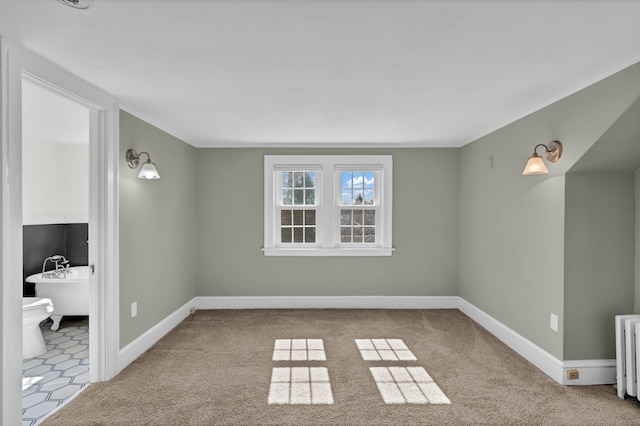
(17, 64)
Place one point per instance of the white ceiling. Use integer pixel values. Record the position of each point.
(331, 72)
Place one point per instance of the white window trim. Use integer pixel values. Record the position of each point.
(277, 207)
(328, 203)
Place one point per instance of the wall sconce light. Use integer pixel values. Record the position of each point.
(148, 170)
(535, 165)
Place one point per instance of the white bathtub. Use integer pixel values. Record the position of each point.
(70, 295)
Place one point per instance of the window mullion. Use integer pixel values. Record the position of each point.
(374, 226)
(328, 210)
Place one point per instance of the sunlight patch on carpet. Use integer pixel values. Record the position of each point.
(384, 350)
(299, 350)
(407, 385)
(300, 385)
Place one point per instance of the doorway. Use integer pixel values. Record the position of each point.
(55, 212)
(18, 64)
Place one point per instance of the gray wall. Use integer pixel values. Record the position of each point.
(637, 234)
(230, 231)
(157, 228)
(599, 261)
(511, 247)
(600, 239)
(461, 226)
(512, 226)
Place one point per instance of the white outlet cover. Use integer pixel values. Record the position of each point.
(554, 322)
(134, 309)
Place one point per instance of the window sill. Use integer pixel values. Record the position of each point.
(360, 251)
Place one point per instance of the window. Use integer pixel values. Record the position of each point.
(358, 205)
(320, 205)
(297, 207)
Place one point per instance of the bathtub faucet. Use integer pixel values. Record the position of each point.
(62, 267)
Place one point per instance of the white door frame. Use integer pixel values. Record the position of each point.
(17, 64)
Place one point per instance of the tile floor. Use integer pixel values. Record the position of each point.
(54, 377)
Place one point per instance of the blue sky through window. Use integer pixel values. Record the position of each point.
(358, 188)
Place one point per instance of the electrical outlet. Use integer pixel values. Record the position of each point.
(573, 374)
(554, 322)
(134, 309)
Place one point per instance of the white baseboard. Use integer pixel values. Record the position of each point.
(542, 359)
(136, 348)
(328, 302)
(591, 372)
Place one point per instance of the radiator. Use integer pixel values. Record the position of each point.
(627, 354)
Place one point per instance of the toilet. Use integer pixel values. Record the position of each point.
(34, 311)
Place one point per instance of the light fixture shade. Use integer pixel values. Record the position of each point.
(148, 171)
(535, 166)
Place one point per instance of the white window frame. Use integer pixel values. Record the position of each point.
(328, 204)
(377, 204)
(278, 206)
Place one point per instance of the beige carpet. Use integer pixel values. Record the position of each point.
(216, 367)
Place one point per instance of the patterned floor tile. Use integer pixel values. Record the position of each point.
(52, 378)
(76, 371)
(40, 410)
(49, 354)
(33, 399)
(57, 359)
(64, 365)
